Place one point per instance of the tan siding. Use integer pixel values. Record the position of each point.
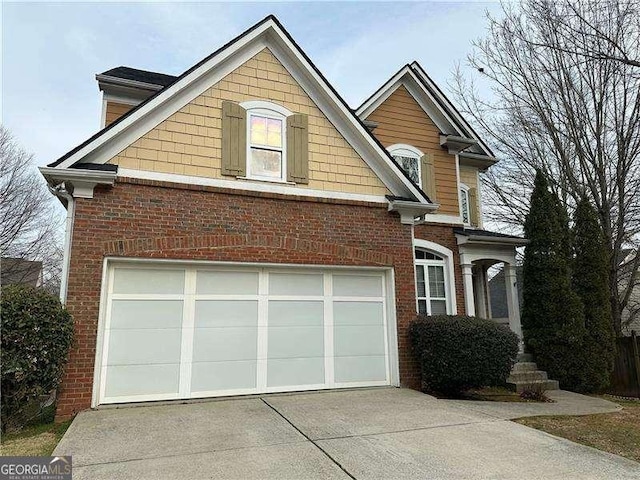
(115, 111)
(401, 120)
(189, 141)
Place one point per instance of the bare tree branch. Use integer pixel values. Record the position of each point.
(30, 220)
(565, 99)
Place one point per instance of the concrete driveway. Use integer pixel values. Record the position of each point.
(383, 433)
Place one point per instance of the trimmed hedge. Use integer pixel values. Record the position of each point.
(457, 353)
(37, 333)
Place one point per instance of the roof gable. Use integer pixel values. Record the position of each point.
(267, 34)
(431, 99)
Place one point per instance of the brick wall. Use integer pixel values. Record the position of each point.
(141, 218)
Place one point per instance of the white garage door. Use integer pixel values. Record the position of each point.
(176, 332)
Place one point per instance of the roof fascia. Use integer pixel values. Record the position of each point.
(445, 104)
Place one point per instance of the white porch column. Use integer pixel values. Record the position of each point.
(480, 288)
(467, 281)
(513, 304)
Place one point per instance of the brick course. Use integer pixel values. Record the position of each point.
(147, 219)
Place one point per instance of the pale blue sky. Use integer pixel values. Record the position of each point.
(51, 52)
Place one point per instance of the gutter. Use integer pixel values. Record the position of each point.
(123, 82)
(409, 210)
(61, 192)
(483, 239)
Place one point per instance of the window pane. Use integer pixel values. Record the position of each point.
(422, 255)
(422, 307)
(436, 282)
(420, 281)
(409, 165)
(464, 199)
(266, 163)
(438, 307)
(259, 130)
(274, 132)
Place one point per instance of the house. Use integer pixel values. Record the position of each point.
(240, 229)
(19, 271)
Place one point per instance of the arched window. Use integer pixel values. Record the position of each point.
(464, 204)
(266, 140)
(435, 282)
(408, 158)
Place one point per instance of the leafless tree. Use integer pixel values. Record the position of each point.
(557, 88)
(30, 220)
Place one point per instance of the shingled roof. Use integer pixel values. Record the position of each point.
(144, 76)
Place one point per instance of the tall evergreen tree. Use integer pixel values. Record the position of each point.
(590, 282)
(552, 313)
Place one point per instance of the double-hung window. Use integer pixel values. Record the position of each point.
(431, 283)
(266, 154)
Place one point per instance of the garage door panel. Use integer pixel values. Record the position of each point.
(225, 343)
(226, 313)
(226, 283)
(284, 313)
(296, 342)
(131, 380)
(138, 314)
(200, 331)
(358, 313)
(145, 346)
(148, 281)
(295, 371)
(296, 284)
(360, 369)
(215, 376)
(358, 340)
(357, 285)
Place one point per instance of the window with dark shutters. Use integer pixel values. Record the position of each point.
(234, 139)
(298, 148)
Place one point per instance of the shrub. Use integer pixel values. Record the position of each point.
(591, 283)
(552, 313)
(37, 333)
(457, 353)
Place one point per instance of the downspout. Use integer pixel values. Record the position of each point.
(60, 191)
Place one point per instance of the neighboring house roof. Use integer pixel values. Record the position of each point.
(136, 75)
(268, 33)
(20, 271)
(435, 104)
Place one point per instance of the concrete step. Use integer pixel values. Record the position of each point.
(524, 367)
(534, 385)
(525, 357)
(527, 376)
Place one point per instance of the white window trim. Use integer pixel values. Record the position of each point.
(274, 111)
(405, 150)
(464, 190)
(449, 275)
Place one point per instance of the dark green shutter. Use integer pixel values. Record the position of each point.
(473, 207)
(298, 148)
(428, 176)
(234, 139)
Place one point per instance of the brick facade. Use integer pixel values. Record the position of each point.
(137, 218)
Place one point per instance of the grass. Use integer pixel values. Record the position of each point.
(617, 432)
(38, 439)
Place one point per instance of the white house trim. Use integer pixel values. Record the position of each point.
(262, 105)
(449, 267)
(249, 185)
(267, 34)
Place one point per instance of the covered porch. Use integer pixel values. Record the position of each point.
(479, 251)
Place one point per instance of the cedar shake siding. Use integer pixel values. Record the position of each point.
(401, 120)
